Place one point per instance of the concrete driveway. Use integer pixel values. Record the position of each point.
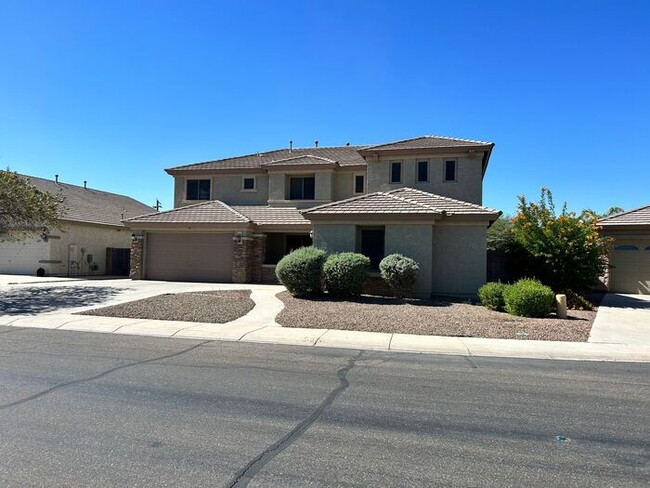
(622, 319)
(28, 295)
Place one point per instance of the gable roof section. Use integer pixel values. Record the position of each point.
(428, 142)
(89, 205)
(264, 215)
(212, 212)
(636, 217)
(343, 155)
(304, 160)
(404, 201)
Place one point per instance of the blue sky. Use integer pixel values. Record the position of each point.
(114, 92)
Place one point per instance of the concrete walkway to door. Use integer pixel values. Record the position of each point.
(622, 319)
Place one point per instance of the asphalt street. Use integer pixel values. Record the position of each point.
(84, 409)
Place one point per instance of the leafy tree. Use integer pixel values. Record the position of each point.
(500, 236)
(24, 209)
(565, 250)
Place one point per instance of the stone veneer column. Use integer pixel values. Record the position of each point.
(242, 258)
(258, 256)
(137, 250)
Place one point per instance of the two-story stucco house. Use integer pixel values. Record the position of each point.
(235, 218)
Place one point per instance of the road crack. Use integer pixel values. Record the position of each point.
(254, 466)
(97, 376)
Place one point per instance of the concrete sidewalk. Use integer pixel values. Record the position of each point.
(259, 326)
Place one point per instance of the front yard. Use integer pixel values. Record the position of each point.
(429, 317)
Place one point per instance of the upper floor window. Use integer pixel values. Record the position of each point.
(248, 183)
(198, 190)
(302, 188)
(450, 170)
(423, 171)
(395, 172)
(359, 183)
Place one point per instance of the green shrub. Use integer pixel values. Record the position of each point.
(345, 273)
(301, 271)
(576, 301)
(400, 273)
(529, 298)
(491, 295)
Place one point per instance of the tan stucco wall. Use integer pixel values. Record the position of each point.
(227, 188)
(335, 237)
(413, 241)
(468, 186)
(323, 181)
(459, 259)
(94, 239)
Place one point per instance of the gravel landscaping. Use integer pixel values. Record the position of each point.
(429, 317)
(216, 307)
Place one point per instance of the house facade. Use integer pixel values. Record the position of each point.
(235, 218)
(91, 238)
(629, 256)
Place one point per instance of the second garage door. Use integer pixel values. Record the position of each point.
(189, 257)
(631, 271)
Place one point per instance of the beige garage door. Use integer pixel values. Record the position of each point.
(189, 257)
(631, 272)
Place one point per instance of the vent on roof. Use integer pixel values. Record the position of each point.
(347, 144)
(56, 178)
(291, 145)
(316, 143)
(85, 183)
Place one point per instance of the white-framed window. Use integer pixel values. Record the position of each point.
(358, 183)
(197, 190)
(248, 183)
(422, 171)
(450, 170)
(395, 171)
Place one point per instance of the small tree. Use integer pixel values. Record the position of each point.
(565, 250)
(500, 236)
(23, 208)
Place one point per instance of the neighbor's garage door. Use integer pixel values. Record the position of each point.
(189, 257)
(631, 271)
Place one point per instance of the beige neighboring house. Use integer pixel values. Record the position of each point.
(92, 240)
(629, 258)
(235, 218)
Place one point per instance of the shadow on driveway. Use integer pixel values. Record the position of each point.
(49, 299)
(627, 301)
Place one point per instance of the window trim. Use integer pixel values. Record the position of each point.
(354, 183)
(243, 189)
(302, 177)
(444, 170)
(197, 199)
(401, 172)
(417, 170)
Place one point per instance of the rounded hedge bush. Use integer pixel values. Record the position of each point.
(491, 295)
(301, 271)
(400, 273)
(529, 298)
(345, 273)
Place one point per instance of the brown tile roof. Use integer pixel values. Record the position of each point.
(307, 159)
(404, 201)
(429, 142)
(90, 205)
(263, 215)
(447, 205)
(637, 216)
(218, 212)
(212, 212)
(344, 156)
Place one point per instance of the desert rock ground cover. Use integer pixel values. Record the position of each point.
(207, 306)
(429, 317)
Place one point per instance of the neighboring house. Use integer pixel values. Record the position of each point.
(630, 252)
(235, 218)
(92, 240)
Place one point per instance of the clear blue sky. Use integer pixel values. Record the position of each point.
(113, 92)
